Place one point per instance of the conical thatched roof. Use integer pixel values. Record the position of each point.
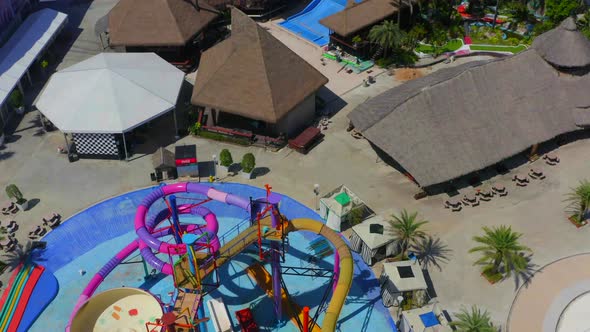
(564, 46)
(158, 22)
(253, 74)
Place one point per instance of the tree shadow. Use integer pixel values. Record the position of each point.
(524, 277)
(431, 252)
(12, 138)
(33, 202)
(6, 155)
(260, 171)
(234, 168)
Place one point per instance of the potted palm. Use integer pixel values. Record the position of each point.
(16, 100)
(248, 164)
(579, 203)
(14, 193)
(501, 253)
(225, 159)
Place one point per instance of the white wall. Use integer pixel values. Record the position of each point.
(298, 119)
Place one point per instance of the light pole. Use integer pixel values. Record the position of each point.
(400, 299)
(316, 191)
(215, 167)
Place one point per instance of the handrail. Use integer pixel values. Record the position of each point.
(222, 238)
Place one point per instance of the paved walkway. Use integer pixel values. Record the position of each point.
(539, 305)
(30, 160)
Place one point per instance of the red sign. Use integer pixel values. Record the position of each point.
(186, 161)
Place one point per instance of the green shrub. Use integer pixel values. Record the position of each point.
(16, 99)
(14, 193)
(384, 62)
(248, 163)
(356, 216)
(195, 128)
(225, 158)
(357, 39)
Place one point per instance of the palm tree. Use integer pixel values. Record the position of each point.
(20, 255)
(500, 248)
(406, 229)
(387, 35)
(579, 200)
(475, 320)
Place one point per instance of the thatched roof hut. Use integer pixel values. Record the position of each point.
(564, 46)
(158, 22)
(357, 16)
(253, 74)
(463, 119)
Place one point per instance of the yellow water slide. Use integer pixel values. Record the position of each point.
(344, 281)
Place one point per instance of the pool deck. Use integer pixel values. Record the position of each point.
(539, 304)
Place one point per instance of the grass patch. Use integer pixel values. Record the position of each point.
(490, 275)
(450, 46)
(498, 48)
(223, 138)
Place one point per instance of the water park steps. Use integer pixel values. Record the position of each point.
(186, 302)
(264, 280)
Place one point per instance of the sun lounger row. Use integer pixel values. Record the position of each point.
(474, 199)
(523, 181)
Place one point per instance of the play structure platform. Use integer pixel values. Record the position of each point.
(226, 253)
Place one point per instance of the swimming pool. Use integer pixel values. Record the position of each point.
(307, 22)
(89, 239)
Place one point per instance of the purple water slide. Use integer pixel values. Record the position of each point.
(147, 241)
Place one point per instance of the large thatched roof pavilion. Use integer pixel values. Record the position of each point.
(461, 120)
(254, 76)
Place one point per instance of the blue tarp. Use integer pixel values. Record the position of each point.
(429, 319)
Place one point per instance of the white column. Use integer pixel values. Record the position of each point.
(125, 147)
(175, 124)
(67, 145)
(28, 72)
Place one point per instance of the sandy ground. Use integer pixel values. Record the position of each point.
(29, 159)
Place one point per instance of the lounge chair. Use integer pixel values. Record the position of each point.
(12, 226)
(9, 208)
(52, 220)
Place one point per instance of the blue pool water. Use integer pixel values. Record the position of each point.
(89, 239)
(307, 22)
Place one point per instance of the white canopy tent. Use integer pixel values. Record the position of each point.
(111, 93)
(373, 238)
(25, 46)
